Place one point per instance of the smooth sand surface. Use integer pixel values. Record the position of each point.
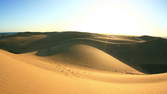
(81, 69)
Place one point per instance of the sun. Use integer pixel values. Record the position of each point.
(112, 17)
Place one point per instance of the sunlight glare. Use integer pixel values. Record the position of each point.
(112, 17)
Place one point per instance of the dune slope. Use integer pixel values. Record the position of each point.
(144, 53)
(82, 63)
(90, 57)
(20, 77)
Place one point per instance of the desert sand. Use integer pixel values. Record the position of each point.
(74, 67)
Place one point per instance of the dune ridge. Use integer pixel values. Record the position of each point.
(18, 77)
(80, 63)
(38, 60)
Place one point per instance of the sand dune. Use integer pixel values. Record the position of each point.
(20, 77)
(86, 64)
(90, 57)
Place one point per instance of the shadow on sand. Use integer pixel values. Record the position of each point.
(146, 54)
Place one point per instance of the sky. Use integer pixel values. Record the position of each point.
(129, 17)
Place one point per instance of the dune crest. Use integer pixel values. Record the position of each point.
(81, 63)
(18, 76)
(91, 57)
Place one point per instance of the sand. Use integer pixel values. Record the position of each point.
(82, 63)
(81, 69)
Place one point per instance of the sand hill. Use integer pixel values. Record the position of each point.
(82, 63)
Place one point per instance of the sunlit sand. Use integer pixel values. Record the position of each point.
(77, 63)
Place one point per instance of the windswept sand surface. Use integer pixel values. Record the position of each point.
(30, 74)
(46, 65)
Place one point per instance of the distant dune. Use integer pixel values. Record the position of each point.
(82, 63)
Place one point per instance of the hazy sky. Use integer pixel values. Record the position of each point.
(134, 17)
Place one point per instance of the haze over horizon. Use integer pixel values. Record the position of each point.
(129, 17)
